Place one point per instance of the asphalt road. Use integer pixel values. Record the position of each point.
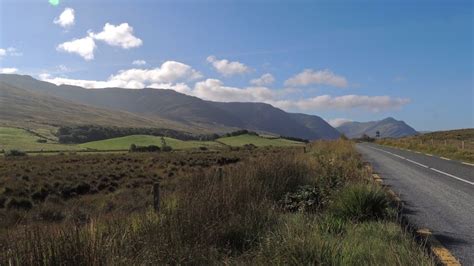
(438, 194)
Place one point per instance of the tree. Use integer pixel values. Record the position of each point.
(164, 146)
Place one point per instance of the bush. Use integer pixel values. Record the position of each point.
(42, 140)
(150, 148)
(19, 204)
(250, 146)
(361, 203)
(305, 199)
(15, 153)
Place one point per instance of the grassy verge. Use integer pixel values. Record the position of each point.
(297, 209)
(450, 149)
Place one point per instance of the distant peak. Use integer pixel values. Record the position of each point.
(390, 119)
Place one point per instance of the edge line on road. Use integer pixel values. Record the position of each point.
(425, 166)
(442, 254)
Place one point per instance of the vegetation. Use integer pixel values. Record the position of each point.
(226, 207)
(14, 153)
(149, 148)
(123, 143)
(295, 139)
(240, 132)
(454, 144)
(88, 133)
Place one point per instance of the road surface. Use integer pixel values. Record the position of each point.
(438, 194)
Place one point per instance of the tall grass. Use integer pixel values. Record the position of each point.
(447, 147)
(234, 217)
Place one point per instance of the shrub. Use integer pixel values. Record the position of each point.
(305, 199)
(2, 202)
(19, 204)
(166, 148)
(150, 148)
(15, 153)
(42, 140)
(250, 146)
(361, 203)
(51, 215)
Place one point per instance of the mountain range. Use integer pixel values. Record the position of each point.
(388, 128)
(24, 99)
(148, 108)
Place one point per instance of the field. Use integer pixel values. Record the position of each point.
(269, 205)
(258, 141)
(21, 139)
(124, 143)
(454, 144)
(16, 138)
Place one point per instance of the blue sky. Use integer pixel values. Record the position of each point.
(355, 60)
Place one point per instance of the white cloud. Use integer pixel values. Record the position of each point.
(174, 75)
(336, 122)
(214, 90)
(84, 47)
(322, 77)
(8, 70)
(139, 62)
(264, 80)
(226, 67)
(169, 72)
(66, 19)
(170, 75)
(325, 102)
(10, 51)
(121, 35)
(179, 87)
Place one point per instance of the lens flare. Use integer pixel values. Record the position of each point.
(54, 2)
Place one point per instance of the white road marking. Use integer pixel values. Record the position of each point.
(467, 163)
(417, 163)
(444, 158)
(425, 166)
(453, 176)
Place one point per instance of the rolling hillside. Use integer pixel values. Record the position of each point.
(21, 107)
(186, 110)
(388, 128)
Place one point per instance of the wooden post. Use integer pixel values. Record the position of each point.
(304, 149)
(432, 141)
(445, 143)
(220, 173)
(156, 197)
(462, 145)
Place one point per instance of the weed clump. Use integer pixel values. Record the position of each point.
(19, 204)
(361, 202)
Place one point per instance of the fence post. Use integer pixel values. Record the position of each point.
(462, 145)
(445, 143)
(156, 197)
(304, 149)
(432, 141)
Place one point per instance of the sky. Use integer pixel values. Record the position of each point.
(341, 60)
